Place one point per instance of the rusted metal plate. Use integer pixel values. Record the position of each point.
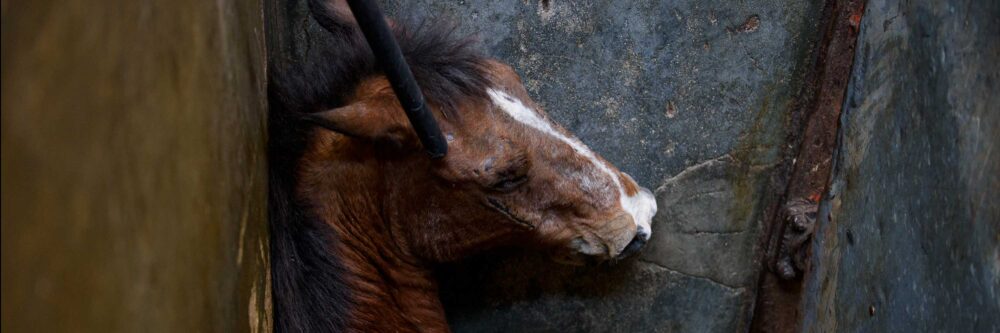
(790, 221)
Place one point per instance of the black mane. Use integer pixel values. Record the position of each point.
(446, 65)
(309, 292)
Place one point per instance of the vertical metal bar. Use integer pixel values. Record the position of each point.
(387, 53)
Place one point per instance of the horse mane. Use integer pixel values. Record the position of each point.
(309, 290)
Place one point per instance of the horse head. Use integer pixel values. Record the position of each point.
(511, 176)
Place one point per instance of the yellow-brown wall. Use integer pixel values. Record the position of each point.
(133, 166)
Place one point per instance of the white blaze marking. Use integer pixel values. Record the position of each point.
(641, 206)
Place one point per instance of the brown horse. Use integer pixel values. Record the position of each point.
(359, 213)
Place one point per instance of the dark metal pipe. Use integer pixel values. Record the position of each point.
(388, 55)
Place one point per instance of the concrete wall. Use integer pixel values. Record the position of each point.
(694, 99)
(133, 168)
(691, 98)
(910, 236)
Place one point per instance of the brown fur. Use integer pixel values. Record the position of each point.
(631, 188)
(397, 212)
(358, 211)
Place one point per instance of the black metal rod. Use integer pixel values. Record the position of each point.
(389, 56)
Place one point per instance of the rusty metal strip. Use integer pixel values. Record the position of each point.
(791, 218)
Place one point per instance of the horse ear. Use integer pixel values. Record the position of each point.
(366, 120)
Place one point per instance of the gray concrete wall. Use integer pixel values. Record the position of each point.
(910, 236)
(692, 98)
(133, 168)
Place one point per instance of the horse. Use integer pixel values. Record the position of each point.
(359, 214)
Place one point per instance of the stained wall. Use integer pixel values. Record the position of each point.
(691, 98)
(133, 173)
(910, 231)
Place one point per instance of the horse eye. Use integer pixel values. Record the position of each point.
(509, 183)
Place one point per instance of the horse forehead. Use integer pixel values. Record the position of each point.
(521, 113)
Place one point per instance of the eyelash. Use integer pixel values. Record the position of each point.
(509, 183)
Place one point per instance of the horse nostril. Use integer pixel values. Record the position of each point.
(642, 233)
(633, 246)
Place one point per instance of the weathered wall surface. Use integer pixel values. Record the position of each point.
(692, 99)
(133, 173)
(910, 236)
(697, 100)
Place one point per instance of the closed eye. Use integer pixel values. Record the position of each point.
(510, 174)
(508, 184)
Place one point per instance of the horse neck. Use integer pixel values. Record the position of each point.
(390, 289)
